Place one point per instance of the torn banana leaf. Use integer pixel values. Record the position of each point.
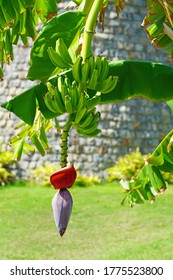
(149, 80)
(149, 183)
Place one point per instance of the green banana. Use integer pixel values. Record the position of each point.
(60, 82)
(80, 114)
(112, 84)
(76, 69)
(104, 69)
(90, 128)
(73, 92)
(94, 100)
(59, 104)
(68, 104)
(18, 149)
(67, 82)
(107, 85)
(98, 65)
(50, 88)
(8, 45)
(15, 33)
(62, 88)
(30, 24)
(56, 59)
(93, 80)
(24, 131)
(96, 117)
(36, 141)
(22, 19)
(9, 12)
(84, 71)
(49, 102)
(91, 63)
(92, 134)
(43, 138)
(62, 50)
(82, 101)
(27, 147)
(87, 118)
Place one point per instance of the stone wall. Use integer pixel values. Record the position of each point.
(134, 123)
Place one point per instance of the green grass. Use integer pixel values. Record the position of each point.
(99, 228)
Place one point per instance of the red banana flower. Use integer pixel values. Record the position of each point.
(64, 178)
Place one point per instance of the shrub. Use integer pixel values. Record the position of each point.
(6, 159)
(41, 174)
(85, 180)
(129, 166)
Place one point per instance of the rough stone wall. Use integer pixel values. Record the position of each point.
(134, 123)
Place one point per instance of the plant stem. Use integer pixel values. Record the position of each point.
(86, 6)
(89, 28)
(64, 141)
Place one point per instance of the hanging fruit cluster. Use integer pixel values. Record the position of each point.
(71, 96)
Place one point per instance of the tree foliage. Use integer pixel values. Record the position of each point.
(55, 67)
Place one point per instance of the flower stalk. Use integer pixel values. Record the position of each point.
(64, 141)
(90, 29)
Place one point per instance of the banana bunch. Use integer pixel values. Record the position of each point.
(93, 74)
(86, 122)
(6, 48)
(65, 97)
(60, 57)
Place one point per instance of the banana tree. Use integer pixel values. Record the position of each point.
(73, 81)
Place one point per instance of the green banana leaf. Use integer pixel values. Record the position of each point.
(149, 80)
(64, 26)
(23, 105)
(149, 183)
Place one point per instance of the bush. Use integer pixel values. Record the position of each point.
(41, 174)
(129, 166)
(6, 159)
(85, 180)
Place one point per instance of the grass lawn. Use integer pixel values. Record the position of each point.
(99, 228)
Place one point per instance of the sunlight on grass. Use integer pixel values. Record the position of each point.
(99, 228)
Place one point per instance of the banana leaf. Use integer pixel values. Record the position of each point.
(64, 26)
(149, 80)
(149, 182)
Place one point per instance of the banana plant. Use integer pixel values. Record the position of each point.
(73, 81)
